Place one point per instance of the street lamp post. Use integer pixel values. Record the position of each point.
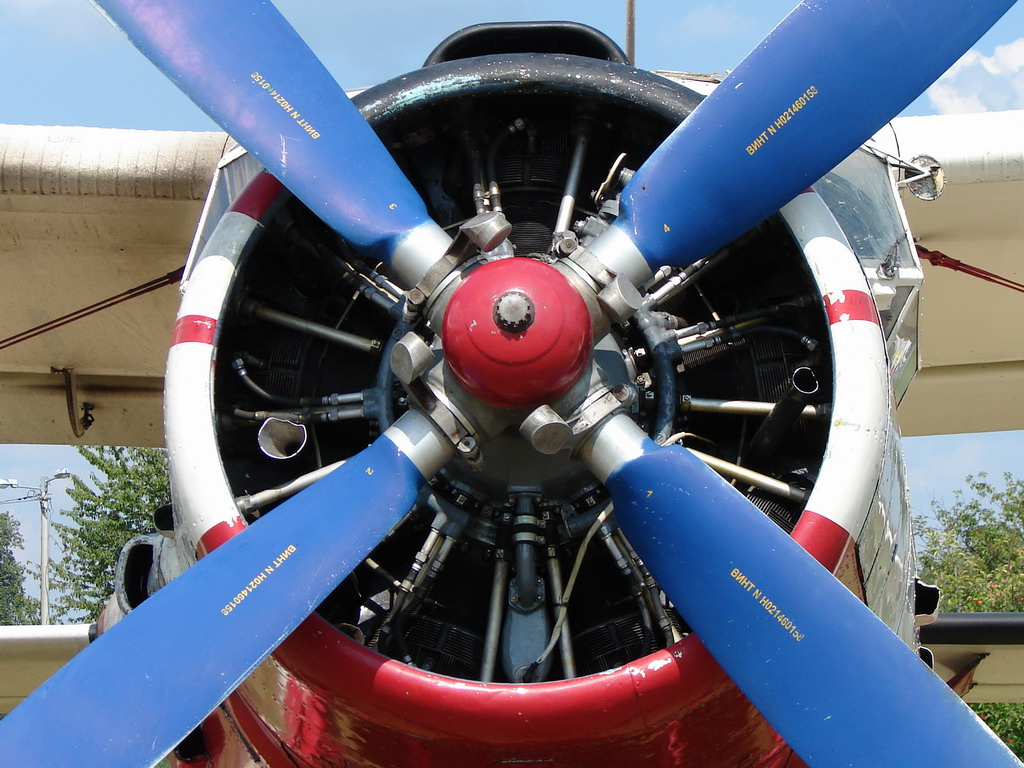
(42, 495)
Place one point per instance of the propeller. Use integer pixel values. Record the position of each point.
(794, 108)
(122, 700)
(829, 676)
(245, 66)
(817, 87)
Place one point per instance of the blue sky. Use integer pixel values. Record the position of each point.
(65, 65)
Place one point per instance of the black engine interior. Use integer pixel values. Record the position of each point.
(469, 583)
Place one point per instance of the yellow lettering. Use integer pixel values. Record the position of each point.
(769, 607)
(261, 577)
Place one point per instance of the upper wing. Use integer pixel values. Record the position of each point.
(86, 214)
(29, 655)
(970, 345)
(89, 213)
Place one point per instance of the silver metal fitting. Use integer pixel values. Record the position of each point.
(546, 431)
(411, 357)
(487, 230)
(620, 299)
(549, 433)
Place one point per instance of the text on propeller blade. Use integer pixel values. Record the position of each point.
(262, 576)
(771, 608)
(286, 105)
(781, 121)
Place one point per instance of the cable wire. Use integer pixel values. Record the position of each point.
(563, 603)
(169, 279)
(939, 259)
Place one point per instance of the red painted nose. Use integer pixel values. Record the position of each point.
(516, 333)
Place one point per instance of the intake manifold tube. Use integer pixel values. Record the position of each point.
(803, 384)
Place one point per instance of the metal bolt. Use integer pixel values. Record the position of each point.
(622, 392)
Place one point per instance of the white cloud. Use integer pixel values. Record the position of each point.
(980, 83)
(1010, 57)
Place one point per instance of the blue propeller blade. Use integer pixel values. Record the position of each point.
(828, 675)
(131, 696)
(825, 80)
(244, 65)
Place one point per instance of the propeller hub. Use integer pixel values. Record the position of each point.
(516, 333)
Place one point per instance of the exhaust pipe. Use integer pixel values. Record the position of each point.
(281, 439)
(803, 384)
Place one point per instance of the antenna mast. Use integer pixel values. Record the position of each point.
(631, 31)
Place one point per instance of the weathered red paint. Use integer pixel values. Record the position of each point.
(823, 538)
(258, 196)
(832, 546)
(329, 700)
(218, 534)
(851, 305)
(194, 328)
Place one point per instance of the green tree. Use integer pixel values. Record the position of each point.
(113, 506)
(16, 607)
(974, 551)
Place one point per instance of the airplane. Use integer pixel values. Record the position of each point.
(396, 539)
